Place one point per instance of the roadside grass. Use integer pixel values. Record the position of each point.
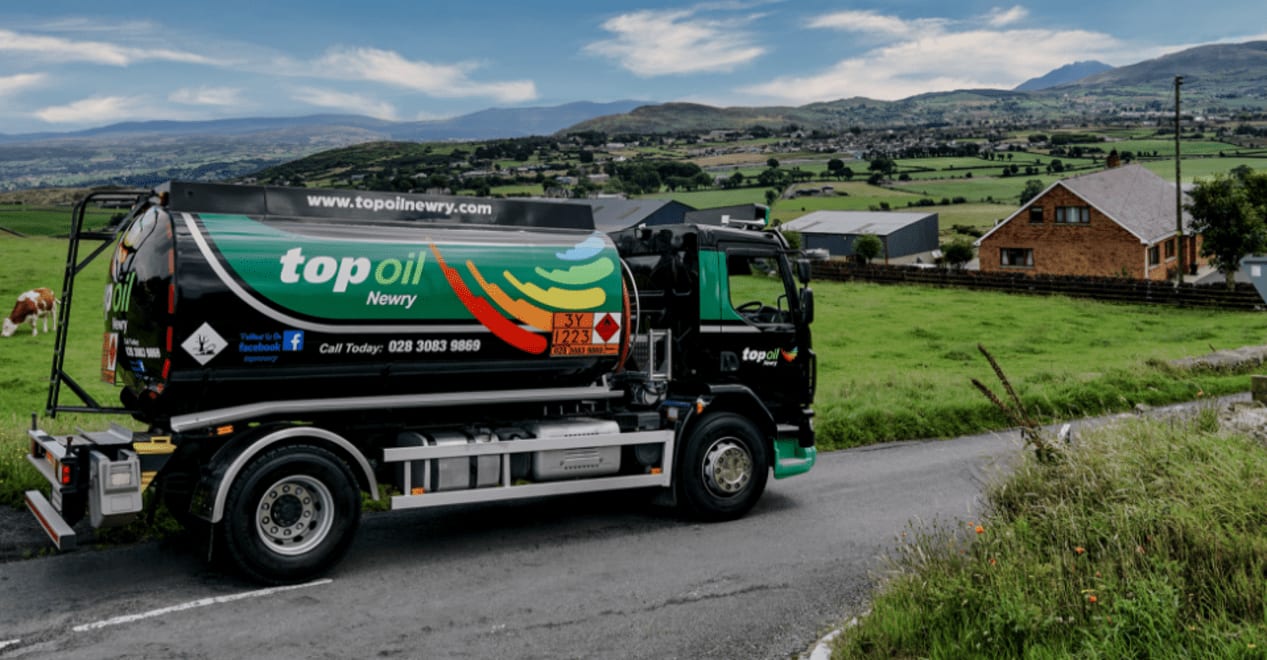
(1143, 540)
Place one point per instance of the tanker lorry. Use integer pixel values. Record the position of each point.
(288, 350)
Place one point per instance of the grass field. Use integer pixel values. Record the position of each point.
(46, 221)
(895, 361)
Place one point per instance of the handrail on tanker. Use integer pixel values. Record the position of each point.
(74, 266)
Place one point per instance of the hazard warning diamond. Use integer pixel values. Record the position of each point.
(606, 328)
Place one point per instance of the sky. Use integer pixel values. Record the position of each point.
(69, 65)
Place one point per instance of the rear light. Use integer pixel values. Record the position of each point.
(65, 474)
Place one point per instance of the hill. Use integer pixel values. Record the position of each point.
(1218, 71)
(1065, 74)
(144, 153)
(1218, 79)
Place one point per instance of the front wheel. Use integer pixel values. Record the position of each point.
(291, 514)
(724, 468)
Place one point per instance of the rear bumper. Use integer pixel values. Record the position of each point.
(51, 521)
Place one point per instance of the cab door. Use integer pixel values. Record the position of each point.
(758, 334)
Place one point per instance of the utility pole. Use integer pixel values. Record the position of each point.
(1179, 247)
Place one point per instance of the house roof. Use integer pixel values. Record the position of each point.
(1132, 196)
(880, 223)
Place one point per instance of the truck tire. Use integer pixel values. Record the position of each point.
(724, 468)
(291, 514)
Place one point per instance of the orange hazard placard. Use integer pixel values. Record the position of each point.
(578, 333)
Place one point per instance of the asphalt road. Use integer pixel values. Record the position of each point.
(581, 577)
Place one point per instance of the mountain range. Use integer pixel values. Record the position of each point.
(1218, 79)
(1065, 74)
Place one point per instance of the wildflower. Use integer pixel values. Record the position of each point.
(1139, 549)
(980, 529)
(993, 561)
(1200, 393)
(1091, 598)
(1079, 549)
(1097, 573)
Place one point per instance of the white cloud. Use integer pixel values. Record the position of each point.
(939, 54)
(651, 43)
(876, 25)
(217, 96)
(438, 80)
(999, 17)
(354, 103)
(57, 49)
(107, 109)
(18, 82)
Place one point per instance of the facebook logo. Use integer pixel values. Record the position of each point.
(293, 340)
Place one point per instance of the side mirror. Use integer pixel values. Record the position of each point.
(807, 305)
(803, 270)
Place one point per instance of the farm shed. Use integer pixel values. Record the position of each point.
(739, 215)
(903, 234)
(614, 214)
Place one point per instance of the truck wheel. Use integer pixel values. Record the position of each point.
(291, 514)
(724, 468)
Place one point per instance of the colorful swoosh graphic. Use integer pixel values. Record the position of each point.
(578, 287)
(528, 342)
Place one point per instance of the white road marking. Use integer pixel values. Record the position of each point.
(202, 602)
(9, 642)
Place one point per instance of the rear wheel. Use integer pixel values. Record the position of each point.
(291, 514)
(724, 468)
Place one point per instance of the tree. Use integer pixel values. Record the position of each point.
(1229, 213)
(882, 165)
(771, 195)
(867, 247)
(957, 253)
(847, 172)
(836, 167)
(772, 163)
(735, 180)
(1031, 190)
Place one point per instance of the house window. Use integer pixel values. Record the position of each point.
(1170, 249)
(1154, 255)
(1035, 215)
(1016, 257)
(1073, 215)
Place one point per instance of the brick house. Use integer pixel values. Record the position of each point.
(1118, 222)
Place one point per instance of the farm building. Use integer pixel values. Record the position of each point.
(1117, 222)
(740, 214)
(614, 214)
(903, 234)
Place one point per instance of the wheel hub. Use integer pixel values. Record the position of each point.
(727, 467)
(293, 514)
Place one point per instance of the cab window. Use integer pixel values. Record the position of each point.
(758, 287)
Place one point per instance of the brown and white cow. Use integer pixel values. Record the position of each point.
(31, 306)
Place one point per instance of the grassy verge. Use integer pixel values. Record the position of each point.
(1145, 540)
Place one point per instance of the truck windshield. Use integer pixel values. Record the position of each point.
(758, 287)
